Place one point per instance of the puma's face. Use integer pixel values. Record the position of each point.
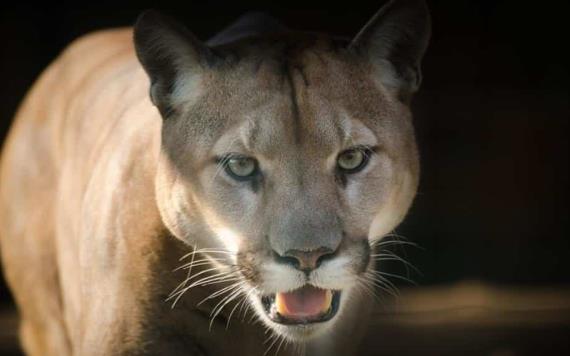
(290, 175)
(282, 159)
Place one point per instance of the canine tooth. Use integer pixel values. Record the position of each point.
(327, 301)
(280, 304)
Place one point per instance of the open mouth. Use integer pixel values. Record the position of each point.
(305, 305)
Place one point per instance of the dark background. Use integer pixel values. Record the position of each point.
(491, 117)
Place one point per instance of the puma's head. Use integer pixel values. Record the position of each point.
(285, 156)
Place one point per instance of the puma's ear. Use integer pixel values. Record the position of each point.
(173, 58)
(394, 41)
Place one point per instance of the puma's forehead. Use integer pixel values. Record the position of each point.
(262, 135)
(310, 95)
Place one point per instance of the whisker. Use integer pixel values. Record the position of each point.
(247, 305)
(217, 278)
(389, 256)
(184, 282)
(384, 285)
(400, 238)
(207, 250)
(190, 278)
(242, 300)
(368, 289)
(220, 292)
(378, 243)
(200, 262)
(386, 281)
(272, 336)
(397, 276)
(227, 299)
(280, 344)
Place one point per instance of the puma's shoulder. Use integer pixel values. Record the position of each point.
(92, 47)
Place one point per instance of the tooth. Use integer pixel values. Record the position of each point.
(328, 300)
(280, 304)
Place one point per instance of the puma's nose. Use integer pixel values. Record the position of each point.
(305, 260)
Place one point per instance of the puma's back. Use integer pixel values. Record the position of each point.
(278, 159)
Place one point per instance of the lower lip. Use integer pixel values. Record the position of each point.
(268, 303)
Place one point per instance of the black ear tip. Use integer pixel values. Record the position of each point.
(147, 23)
(148, 16)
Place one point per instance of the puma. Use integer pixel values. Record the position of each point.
(164, 196)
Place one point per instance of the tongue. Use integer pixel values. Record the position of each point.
(304, 302)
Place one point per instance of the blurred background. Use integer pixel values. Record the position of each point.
(491, 216)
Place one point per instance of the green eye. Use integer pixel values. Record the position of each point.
(352, 160)
(241, 168)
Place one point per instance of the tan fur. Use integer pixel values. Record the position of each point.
(100, 196)
(80, 160)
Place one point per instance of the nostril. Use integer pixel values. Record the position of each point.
(288, 260)
(325, 257)
(305, 260)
